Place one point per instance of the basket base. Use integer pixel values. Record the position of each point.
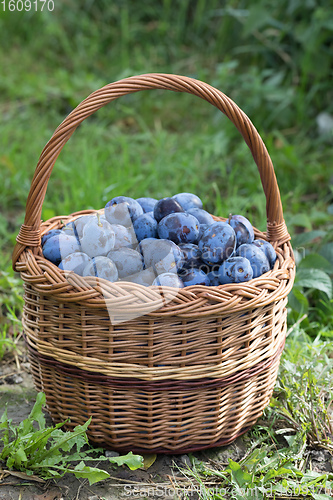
(169, 417)
(177, 451)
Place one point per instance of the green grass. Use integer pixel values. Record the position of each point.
(273, 59)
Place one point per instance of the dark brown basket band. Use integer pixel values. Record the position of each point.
(160, 385)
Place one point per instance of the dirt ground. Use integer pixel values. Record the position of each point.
(161, 480)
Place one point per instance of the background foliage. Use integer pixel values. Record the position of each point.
(273, 58)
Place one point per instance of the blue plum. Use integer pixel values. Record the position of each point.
(204, 267)
(268, 250)
(217, 243)
(144, 278)
(145, 226)
(102, 267)
(256, 256)
(49, 234)
(202, 229)
(166, 206)
(144, 245)
(75, 262)
(164, 255)
(194, 276)
(124, 236)
(235, 270)
(127, 260)
(168, 279)
(202, 216)
(122, 210)
(147, 204)
(213, 278)
(191, 255)
(98, 237)
(243, 229)
(179, 228)
(70, 229)
(57, 247)
(188, 200)
(81, 221)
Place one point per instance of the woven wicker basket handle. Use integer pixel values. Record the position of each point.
(29, 235)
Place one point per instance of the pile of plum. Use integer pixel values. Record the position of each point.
(171, 242)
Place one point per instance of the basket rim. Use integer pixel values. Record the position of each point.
(196, 300)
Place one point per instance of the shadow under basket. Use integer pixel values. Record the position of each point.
(158, 369)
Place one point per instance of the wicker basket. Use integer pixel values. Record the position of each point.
(158, 371)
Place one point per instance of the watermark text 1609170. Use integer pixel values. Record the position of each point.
(27, 5)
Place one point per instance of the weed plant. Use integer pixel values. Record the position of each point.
(50, 452)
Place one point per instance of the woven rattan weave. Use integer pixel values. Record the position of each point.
(158, 370)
